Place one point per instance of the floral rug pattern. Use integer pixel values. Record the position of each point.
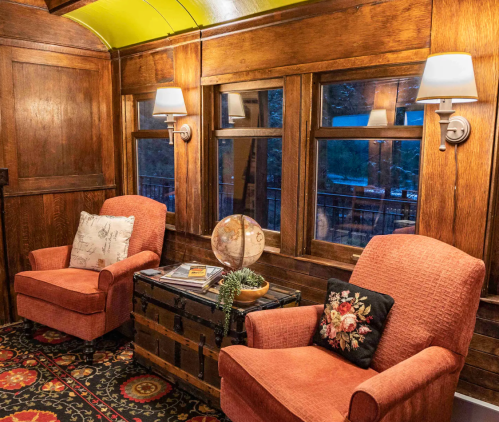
(46, 380)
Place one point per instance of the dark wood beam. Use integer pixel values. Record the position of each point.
(61, 7)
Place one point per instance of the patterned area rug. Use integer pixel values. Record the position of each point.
(46, 380)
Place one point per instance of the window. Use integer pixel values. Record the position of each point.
(146, 120)
(390, 102)
(150, 159)
(249, 119)
(249, 179)
(252, 109)
(366, 188)
(367, 156)
(156, 171)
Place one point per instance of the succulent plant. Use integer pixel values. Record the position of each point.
(233, 282)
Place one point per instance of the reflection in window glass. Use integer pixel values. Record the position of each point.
(156, 171)
(252, 109)
(372, 103)
(366, 188)
(249, 179)
(146, 120)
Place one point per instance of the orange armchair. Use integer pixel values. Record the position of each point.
(84, 303)
(280, 376)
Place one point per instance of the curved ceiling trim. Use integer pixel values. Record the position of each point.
(121, 23)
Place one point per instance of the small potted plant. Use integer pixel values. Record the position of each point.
(243, 286)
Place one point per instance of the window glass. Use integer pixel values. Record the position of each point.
(372, 103)
(366, 188)
(156, 171)
(146, 120)
(255, 109)
(249, 179)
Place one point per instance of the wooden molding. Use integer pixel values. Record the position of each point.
(61, 7)
(399, 57)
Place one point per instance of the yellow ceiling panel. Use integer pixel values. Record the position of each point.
(120, 23)
(210, 12)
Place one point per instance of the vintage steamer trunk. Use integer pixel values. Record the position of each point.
(178, 330)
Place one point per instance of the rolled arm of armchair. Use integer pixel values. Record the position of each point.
(123, 269)
(50, 258)
(283, 328)
(374, 398)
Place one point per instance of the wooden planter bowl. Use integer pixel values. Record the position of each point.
(250, 296)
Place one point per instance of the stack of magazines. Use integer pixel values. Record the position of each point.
(190, 274)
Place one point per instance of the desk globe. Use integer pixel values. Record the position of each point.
(231, 247)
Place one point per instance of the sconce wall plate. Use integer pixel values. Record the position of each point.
(185, 133)
(458, 130)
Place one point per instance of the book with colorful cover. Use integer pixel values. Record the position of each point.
(190, 274)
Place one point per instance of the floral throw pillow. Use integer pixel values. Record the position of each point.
(353, 321)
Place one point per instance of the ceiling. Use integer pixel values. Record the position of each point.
(121, 23)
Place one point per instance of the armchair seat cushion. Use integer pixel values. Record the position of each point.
(69, 288)
(295, 384)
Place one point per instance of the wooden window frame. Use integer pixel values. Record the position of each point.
(131, 135)
(272, 238)
(336, 251)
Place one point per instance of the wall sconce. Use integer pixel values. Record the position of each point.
(378, 117)
(447, 78)
(170, 103)
(236, 107)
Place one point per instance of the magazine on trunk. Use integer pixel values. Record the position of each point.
(188, 274)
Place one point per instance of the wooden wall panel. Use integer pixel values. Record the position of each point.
(357, 31)
(480, 31)
(28, 23)
(480, 375)
(57, 134)
(147, 70)
(188, 167)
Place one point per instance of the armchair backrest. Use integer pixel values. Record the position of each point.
(436, 288)
(150, 220)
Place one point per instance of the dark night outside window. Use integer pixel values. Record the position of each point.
(249, 179)
(146, 119)
(351, 103)
(366, 188)
(156, 170)
(261, 109)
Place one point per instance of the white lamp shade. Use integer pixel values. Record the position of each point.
(236, 106)
(378, 117)
(448, 75)
(169, 101)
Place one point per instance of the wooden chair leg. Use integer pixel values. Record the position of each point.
(89, 350)
(28, 328)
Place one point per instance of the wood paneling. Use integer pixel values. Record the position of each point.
(33, 24)
(398, 57)
(293, 167)
(189, 206)
(147, 70)
(305, 273)
(480, 375)
(346, 33)
(480, 23)
(58, 133)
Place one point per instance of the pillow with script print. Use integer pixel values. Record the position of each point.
(101, 240)
(353, 321)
